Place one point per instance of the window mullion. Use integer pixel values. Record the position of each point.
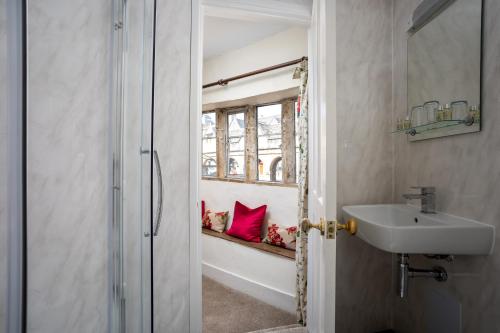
(251, 143)
(221, 142)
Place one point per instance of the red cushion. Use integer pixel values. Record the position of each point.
(202, 209)
(247, 222)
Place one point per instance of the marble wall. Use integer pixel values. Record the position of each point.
(69, 44)
(171, 139)
(3, 167)
(365, 155)
(466, 172)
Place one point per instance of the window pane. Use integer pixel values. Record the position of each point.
(209, 144)
(269, 143)
(236, 144)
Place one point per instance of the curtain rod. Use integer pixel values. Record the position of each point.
(223, 82)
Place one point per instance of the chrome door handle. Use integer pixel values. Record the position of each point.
(159, 208)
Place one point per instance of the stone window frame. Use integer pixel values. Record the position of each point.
(251, 156)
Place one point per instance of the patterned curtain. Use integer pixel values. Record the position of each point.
(301, 252)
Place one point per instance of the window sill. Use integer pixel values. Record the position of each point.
(243, 181)
(287, 253)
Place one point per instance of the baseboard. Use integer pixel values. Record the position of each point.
(266, 294)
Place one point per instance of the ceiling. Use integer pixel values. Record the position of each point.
(222, 34)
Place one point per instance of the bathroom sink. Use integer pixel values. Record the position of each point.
(404, 229)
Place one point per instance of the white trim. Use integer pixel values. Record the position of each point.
(259, 9)
(262, 292)
(195, 297)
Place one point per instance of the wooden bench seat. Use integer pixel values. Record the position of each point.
(259, 246)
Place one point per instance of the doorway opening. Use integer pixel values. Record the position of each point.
(250, 162)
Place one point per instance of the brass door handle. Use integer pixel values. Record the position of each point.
(330, 227)
(307, 225)
(351, 226)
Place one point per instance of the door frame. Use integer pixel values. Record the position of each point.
(296, 13)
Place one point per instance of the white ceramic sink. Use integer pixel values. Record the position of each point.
(404, 229)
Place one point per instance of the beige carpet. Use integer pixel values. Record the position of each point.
(229, 311)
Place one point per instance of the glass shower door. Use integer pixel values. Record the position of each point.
(132, 166)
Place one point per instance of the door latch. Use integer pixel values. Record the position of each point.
(330, 228)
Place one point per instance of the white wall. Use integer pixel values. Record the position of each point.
(284, 46)
(266, 276)
(281, 201)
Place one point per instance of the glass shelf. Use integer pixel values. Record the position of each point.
(432, 126)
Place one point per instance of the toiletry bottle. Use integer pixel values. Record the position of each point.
(440, 113)
(474, 112)
(399, 125)
(447, 113)
(407, 123)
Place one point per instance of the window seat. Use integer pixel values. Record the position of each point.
(259, 246)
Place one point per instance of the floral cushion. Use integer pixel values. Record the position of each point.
(215, 221)
(281, 236)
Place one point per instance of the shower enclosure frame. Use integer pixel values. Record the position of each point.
(120, 110)
(116, 312)
(16, 166)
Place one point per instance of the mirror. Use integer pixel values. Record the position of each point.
(444, 73)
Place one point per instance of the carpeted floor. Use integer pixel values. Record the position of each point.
(229, 311)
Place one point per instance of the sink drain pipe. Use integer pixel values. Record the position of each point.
(406, 272)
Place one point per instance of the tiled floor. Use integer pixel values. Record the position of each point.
(228, 311)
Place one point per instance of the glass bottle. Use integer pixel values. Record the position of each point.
(474, 112)
(407, 123)
(447, 113)
(440, 113)
(399, 124)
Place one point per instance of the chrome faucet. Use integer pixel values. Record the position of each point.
(427, 196)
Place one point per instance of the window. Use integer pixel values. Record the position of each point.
(236, 144)
(269, 153)
(251, 143)
(209, 144)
